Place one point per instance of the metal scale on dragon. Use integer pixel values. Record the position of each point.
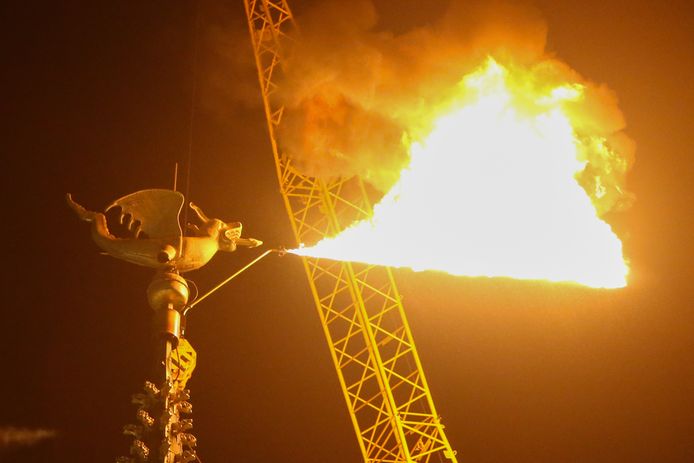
(153, 238)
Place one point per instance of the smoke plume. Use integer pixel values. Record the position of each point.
(356, 95)
(11, 436)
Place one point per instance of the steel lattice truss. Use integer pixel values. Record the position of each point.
(359, 305)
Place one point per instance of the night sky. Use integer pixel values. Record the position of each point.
(97, 102)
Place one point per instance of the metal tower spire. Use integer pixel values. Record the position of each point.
(151, 236)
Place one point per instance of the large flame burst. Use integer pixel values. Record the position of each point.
(491, 190)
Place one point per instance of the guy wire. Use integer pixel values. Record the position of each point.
(192, 114)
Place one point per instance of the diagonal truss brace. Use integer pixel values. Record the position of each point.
(361, 312)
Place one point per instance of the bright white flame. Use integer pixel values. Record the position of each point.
(491, 191)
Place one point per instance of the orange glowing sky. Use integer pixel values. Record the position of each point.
(97, 100)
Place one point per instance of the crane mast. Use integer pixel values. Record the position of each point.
(360, 308)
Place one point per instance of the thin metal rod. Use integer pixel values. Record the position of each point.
(191, 126)
(239, 272)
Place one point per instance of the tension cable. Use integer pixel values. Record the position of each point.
(237, 273)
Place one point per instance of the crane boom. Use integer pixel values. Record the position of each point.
(359, 305)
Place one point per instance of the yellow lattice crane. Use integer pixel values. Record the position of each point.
(359, 305)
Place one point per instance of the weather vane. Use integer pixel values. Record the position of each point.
(151, 236)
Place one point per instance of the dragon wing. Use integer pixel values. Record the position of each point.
(156, 209)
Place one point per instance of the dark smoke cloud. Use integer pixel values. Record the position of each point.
(11, 436)
(228, 81)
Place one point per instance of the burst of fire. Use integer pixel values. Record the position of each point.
(492, 190)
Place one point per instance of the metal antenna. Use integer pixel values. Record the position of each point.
(175, 182)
